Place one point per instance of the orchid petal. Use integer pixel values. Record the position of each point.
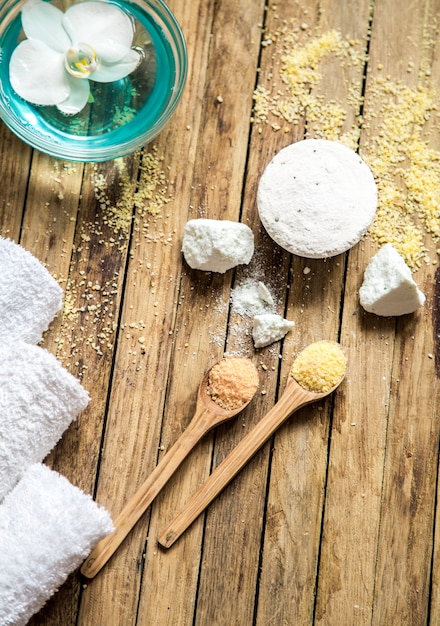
(109, 50)
(37, 73)
(78, 97)
(43, 21)
(103, 26)
(108, 73)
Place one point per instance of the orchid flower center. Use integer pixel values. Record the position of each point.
(81, 60)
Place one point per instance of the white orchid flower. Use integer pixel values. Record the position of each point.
(91, 40)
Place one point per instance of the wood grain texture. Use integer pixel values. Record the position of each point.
(334, 522)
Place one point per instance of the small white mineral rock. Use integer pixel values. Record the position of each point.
(389, 288)
(217, 245)
(268, 328)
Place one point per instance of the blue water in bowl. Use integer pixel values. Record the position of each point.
(122, 114)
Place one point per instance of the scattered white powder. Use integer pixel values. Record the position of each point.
(268, 328)
(389, 288)
(251, 298)
(317, 198)
(217, 245)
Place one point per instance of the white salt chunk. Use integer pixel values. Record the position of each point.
(265, 294)
(268, 328)
(317, 198)
(389, 288)
(217, 245)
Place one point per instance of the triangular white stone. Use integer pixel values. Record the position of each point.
(389, 288)
(268, 328)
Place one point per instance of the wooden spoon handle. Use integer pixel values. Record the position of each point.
(145, 495)
(292, 399)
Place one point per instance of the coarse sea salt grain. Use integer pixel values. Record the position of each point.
(217, 245)
(317, 198)
(388, 288)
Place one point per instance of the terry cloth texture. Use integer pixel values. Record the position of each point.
(29, 296)
(38, 401)
(47, 528)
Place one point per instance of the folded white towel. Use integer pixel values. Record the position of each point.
(29, 296)
(47, 528)
(38, 401)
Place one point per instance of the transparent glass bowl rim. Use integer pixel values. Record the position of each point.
(80, 151)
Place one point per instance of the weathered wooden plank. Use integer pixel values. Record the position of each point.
(352, 500)
(152, 298)
(170, 578)
(404, 564)
(298, 466)
(359, 510)
(432, 52)
(52, 200)
(236, 517)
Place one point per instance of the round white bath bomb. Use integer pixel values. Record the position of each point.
(317, 198)
(217, 245)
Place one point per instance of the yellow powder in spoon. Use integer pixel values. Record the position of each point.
(320, 366)
(232, 382)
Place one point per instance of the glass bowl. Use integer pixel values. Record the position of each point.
(121, 116)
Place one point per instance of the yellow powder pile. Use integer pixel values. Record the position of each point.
(320, 366)
(232, 382)
(299, 72)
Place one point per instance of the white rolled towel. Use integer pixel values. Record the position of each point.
(29, 296)
(47, 528)
(38, 401)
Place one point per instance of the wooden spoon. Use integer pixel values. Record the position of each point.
(207, 415)
(293, 398)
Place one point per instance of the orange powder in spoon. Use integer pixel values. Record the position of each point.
(232, 382)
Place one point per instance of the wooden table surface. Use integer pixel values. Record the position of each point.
(335, 520)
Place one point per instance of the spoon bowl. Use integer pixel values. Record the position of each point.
(208, 414)
(206, 402)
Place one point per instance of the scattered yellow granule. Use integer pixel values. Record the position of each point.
(406, 169)
(147, 197)
(232, 382)
(320, 366)
(330, 117)
(299, 64)
(123, 115)
(299, 71)
(152, 193)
